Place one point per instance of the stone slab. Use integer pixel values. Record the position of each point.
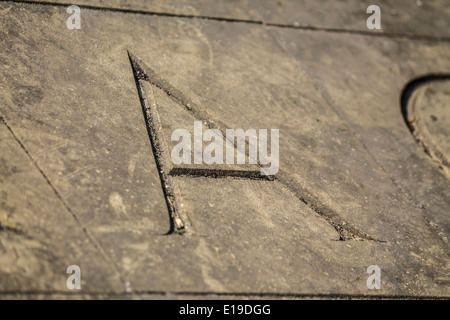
(70, 97)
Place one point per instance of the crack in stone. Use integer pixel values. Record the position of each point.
(237, 20)
(95, 243)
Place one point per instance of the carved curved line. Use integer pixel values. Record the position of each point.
(413, 85)
(407, 93)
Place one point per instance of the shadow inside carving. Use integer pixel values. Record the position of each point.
(413, 101)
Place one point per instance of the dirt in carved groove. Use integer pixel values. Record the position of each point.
(176, 224)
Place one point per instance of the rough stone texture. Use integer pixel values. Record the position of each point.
(376, 79)
(39, 237)
(430, 120)
(435, 113)
(407, 17)
(74, 143)
(168, 116)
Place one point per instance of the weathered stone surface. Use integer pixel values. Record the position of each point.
(364, 86)
(429, 118)
(39, 236)
(413, 18)
(166, 115)
(349, 167)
